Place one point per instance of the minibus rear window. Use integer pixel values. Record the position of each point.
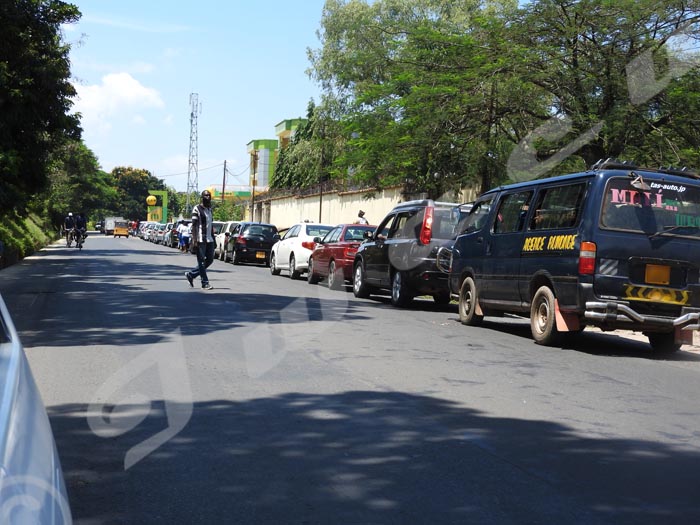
(661, 208)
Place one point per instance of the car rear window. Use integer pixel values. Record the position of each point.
(317, 231)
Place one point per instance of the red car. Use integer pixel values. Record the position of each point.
(333, 255)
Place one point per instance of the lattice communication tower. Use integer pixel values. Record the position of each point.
(193, 166)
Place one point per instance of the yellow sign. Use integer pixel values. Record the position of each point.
(155, 213)
(549, 243)
(656, 295)
(151, 200)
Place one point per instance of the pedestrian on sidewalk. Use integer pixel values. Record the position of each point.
(203, 242)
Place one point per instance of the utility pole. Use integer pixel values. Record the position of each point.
(193, 165)
(223, 185)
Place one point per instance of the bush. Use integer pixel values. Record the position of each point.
(22, 236)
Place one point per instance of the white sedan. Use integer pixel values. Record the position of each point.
(291, 252)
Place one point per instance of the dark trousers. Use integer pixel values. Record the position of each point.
(205, 256)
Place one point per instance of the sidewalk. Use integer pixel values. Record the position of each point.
(638, 336)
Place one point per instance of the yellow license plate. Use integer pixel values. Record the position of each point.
(657, 274)
(259, 255)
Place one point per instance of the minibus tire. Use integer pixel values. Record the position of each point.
(467, 304)
(663, 343)
(543, 321)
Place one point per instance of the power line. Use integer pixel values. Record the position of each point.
(185, 172)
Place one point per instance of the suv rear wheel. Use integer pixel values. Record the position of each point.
(400, 292)
(467, 303)
(543, 322)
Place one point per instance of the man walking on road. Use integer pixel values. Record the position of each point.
(203, 242)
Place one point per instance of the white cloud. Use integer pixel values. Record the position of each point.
(168, 120)
(119, 95)
(138, 119)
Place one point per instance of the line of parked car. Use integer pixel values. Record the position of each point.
(613, 247)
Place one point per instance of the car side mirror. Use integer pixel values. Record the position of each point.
(318, 240)
(276, 237)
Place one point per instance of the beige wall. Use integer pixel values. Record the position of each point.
(336, 207)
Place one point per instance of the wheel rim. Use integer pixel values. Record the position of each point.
(396, 286)
(331, 275)
(358, 278)
(272, 263)
(292, 265)
(542, 316)
(467, 299)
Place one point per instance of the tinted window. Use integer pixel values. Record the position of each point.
(668, 208)
(356, 233)
(511, 212)
(476, 218)
(333, 235)
(407, 224)
(558, 207)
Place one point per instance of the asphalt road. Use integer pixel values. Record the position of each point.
(268, 400)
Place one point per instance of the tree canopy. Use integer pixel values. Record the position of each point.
(437, 94)
(35, 95)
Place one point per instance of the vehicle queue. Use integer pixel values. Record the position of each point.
(615, 247)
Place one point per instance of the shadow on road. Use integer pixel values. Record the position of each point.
(370, 457)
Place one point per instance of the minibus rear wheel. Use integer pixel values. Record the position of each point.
(663, 343)
(543, 322)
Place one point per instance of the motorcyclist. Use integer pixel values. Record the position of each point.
(81, 225)
(68, 225)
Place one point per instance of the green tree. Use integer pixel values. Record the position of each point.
(422, 89)
(35, 95)
(598, 63)
(227, 211)
(76, 184)
(132, 186)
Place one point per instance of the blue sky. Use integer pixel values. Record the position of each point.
(135, 64)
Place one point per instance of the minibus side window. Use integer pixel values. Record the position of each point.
(511, 213)
(558, 207)
(476, 218)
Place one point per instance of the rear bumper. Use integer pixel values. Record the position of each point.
(621, 314)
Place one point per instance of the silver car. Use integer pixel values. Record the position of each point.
(32, 489)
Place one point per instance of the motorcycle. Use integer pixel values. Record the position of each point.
(80, 237)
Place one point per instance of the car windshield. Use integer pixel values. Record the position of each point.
(665, 208)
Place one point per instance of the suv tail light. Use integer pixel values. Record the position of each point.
(586, 258)
(350, 252)
(242, 240)
(309, 245)
(426, 232)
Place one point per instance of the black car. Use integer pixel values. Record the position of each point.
(400, 255)
(252, 242)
